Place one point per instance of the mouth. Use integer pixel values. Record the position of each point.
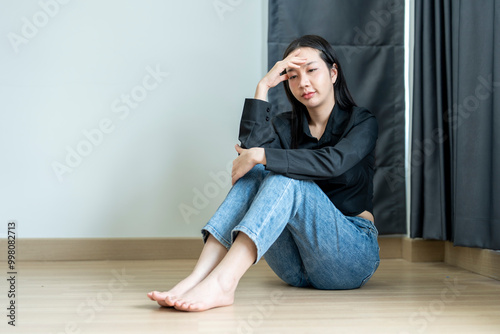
(308, 95)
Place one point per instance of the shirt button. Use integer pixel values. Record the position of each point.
(267, 118)
(268, 110)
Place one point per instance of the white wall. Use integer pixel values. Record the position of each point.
(66, 68)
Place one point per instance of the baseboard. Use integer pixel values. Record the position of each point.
(101, 249)
(390, 247)
(419, 250)
(481, 261)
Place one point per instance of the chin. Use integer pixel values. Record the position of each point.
(309, 103)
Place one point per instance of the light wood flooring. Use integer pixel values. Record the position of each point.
(110, 297)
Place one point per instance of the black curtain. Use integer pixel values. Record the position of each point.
(368, 37)
(455, 182)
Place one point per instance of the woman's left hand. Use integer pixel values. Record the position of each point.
(246, 160)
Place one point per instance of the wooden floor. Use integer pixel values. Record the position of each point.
(110, 297)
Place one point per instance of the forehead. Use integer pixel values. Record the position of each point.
(310, 54)
(306, 52)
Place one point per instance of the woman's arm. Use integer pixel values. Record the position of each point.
(331, 161)
(255, 128)
(256, 134)
(278, 74)
(246, 160)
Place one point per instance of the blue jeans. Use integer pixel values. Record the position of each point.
(304, 238)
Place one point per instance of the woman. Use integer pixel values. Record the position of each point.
(302, 188)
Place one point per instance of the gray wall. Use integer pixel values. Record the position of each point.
(118, 118)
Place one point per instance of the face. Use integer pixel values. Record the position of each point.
(312, 83)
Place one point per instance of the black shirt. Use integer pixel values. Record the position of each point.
(341, 162)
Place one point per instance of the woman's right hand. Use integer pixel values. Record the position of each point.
(277, 74)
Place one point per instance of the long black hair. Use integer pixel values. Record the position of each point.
(342, 95)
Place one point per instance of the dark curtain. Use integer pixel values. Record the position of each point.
(368, 37)
(455, 182)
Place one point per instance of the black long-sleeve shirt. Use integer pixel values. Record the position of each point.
(341, 162)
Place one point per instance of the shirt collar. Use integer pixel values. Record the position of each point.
(335, 124)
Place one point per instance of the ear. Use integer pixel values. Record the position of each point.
(333, 73)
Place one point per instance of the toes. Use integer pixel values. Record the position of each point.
(194, 307)
(181, 305)
(187, 306)
(178, 303)
(170, 300)
(159, 295)
(162, 303)
(152, 295)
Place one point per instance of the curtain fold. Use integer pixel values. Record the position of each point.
(455, 153)
(430, 153)
(369, 41)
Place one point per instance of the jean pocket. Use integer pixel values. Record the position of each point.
(364, 224)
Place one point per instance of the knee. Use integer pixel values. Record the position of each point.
(273, 177)
(258, 172)
(259, 168)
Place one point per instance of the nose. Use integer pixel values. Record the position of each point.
(304, 81)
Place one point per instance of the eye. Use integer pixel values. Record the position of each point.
(292, 77)
(312, 69)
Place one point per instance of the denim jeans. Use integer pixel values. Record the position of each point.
(304, 238)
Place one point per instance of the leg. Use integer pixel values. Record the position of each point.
(333, 251)
(341, 256)
(218, 288)
(285, 260)
(217, 234)
(213, 252)
(235, 206)
(282, 203)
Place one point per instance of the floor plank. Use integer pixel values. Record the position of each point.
(110, 297)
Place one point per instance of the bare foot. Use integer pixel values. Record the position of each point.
(214, 291)
(167, 298)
